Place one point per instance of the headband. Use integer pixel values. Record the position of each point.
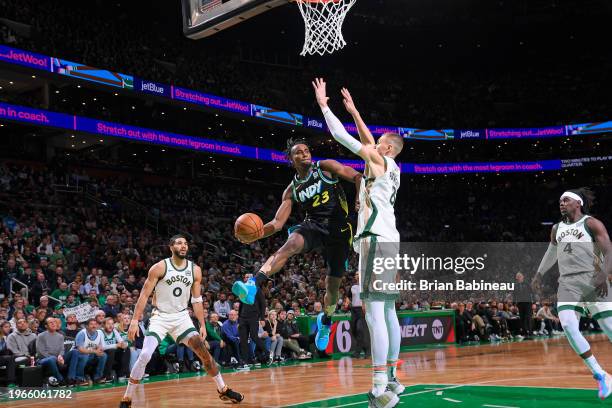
(574, 196)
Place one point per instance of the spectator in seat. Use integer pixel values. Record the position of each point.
(72, 327)
(116, 349)
(18, 314)
(464, 324)
(549, 323)
(6, 357)
(61, 293)
(90, 286)
(111, 308)
(272, 327)
(184, 355)
(40, 287)
(292, 339)
(43, 303)
(100, 316)
(213, 335)
(229, 332)
(11, 271)
(19, 341)
(222, 307)
(50, 350)
(88, 348)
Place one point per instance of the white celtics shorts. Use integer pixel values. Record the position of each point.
(178, 325)
(576, 292)
(373, 274)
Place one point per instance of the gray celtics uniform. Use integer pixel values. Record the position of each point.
(377, 235)
(578, 259)
(171, 298)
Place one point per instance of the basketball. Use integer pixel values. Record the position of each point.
(248, 227)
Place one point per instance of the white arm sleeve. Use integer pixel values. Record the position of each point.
(550, 257)
(339, 132)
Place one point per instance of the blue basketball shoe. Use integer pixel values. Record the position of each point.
(604, 381)
(323, 330)
(245, 291)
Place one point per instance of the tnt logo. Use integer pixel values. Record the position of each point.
(437, 329)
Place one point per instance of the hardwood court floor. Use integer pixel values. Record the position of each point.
(528, 374)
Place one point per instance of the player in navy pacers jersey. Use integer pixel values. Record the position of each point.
(316, 190)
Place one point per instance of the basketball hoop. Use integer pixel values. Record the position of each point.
(323, 20)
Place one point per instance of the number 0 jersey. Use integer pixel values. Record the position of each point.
(576, 249)
(377, 200)
(173, 290)
(322, 198)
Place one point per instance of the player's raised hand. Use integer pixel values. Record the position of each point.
(348, 102)
(133, 330)
(536, 283)
(320, 88)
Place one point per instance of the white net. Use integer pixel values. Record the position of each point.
(323, 20)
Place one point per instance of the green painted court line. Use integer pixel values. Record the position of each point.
(475, 396)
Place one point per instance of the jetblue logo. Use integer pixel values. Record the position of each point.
(313, 123)
(151, 87)
(310, 191)
(470, 134)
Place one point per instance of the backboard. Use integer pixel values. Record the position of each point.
(202, 18)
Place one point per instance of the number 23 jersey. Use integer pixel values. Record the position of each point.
(322, 199)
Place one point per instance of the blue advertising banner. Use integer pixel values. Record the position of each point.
(517, 133)
(426, 134)
(115, 79)
(92, 74)
(25, 58)
(589, 128)
(264, 112)
(36, 116)
(491, 167)
(99, 127)
(211, 101)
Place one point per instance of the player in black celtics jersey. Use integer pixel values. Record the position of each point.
(316, 189)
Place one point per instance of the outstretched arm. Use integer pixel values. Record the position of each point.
(155, 273)
(282, 214)
(364, 132)
(601, 279)
(603, 242)
(196, 300)
(550, 257)
(368, 154)
(548, 261)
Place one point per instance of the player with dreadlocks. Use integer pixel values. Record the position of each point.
(316, 190)
(581, 246)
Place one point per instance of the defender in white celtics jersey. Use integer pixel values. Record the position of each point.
(581, 246)
(377, 236)
(172, 282)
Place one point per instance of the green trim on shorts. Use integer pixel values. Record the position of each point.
(371, 220)
(367, 278)
(572, 307)
(601, 315)
(185, 333)
(153, 334)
